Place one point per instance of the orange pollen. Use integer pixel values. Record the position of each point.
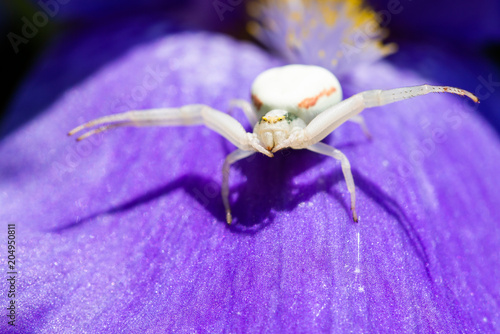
(309, 102)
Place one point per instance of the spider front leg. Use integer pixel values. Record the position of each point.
(330, 119)
(195, 114)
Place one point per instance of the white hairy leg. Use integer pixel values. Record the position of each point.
(195, 114)
(330, 151)
(323, 124)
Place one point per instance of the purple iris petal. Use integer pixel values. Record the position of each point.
(125, 232)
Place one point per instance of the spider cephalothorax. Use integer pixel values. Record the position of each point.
(293, 106)
(276, 126)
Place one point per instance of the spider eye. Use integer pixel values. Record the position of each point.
(272, 119)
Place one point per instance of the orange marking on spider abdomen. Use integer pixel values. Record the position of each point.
(256, 101)
(309, 102)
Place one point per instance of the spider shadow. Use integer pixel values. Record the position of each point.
(260, 215)
(266, 185)
(269, 188)
(190, 183)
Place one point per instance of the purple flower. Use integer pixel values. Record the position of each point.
(126, 232)
(337, 35)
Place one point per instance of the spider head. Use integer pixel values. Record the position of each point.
(274, 127)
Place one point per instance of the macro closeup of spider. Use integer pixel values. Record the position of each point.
(293, 106)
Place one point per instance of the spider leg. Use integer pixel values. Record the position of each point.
(247, 108)
(195, 114)
(230, 159)
(330, 151)
(324, 123)
(360, 120)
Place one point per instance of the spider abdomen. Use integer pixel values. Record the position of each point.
(302, 90)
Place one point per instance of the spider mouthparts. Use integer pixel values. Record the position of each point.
(268, 153)
(277, 148)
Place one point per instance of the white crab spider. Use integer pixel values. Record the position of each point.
(293, 106)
